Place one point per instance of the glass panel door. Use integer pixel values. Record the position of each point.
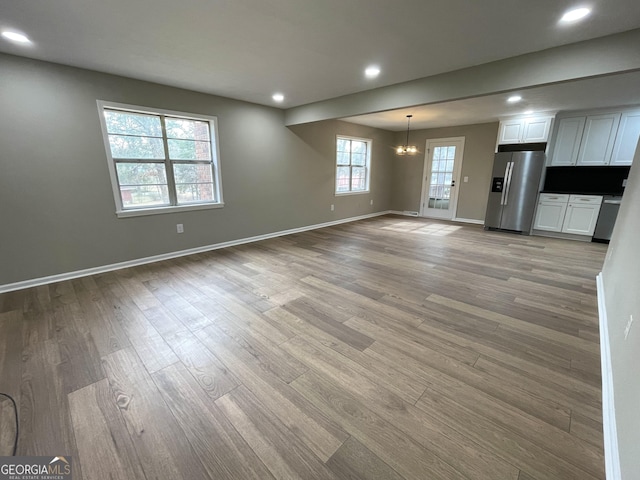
(441, 177)
(439, 187)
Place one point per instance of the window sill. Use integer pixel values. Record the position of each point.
(140, 212)
(342, 194)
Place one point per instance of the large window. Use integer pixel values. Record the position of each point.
(353, 165)
(160, 161)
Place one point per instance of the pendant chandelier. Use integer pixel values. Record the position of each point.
(407, 149)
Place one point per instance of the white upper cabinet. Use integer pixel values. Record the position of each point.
(567, 143)
(536, 129)
(598, 139)
(595, 138)
(627, 139)
(524, 130)
(511, 131)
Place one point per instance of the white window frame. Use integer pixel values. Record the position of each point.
(123, 212)
(367, 189)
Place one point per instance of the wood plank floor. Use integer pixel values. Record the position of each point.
(390, 348)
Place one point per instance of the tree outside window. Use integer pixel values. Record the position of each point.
(353, 160)
(161, 159)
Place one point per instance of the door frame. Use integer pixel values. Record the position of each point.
(426, 174)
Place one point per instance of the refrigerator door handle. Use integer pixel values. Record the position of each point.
(505, 183)
(507, 186)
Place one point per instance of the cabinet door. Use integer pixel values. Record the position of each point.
(510, 131)
(581, 219)
(550, 216)
(536, 129)
(567, 142)
(626, 139)
(598, 139)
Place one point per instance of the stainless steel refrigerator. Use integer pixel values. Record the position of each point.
(515, 184)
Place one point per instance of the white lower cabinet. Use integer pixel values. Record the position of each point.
(582, 214)
(574, 214)
(551, 212)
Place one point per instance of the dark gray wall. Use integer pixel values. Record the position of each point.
(621, 279)
(56, 204)
(479, 149)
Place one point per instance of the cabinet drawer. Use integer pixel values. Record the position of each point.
(554, 197)
(586, 199)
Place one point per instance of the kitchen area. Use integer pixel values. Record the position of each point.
(562, 176)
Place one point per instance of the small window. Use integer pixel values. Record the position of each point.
(353, 165)
(160, 161)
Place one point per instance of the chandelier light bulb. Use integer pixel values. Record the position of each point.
(407, 149)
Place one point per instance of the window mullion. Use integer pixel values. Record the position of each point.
(350, 165)
(171, 182)
(138, 160)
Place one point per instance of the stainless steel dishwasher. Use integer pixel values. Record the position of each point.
(606, 219)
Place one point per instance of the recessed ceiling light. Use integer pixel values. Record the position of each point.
(372, 71)
(575, 14)
(514, 99)
(15, 37)
(278, 97)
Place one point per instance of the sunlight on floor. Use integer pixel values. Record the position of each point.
(436, 229)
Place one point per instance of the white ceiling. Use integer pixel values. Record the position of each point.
(613, 90)
(310, 50)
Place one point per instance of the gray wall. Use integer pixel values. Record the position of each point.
(479, 149)
(56, 204)
(621, 278)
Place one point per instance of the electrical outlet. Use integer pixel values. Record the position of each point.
(333, 207)
(371, 202)
(466, 179)
(628, 327)
(180, 228)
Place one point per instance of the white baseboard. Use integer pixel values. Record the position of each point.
(9, 287)
(563, 236)
(611, 454)
(469, 220)
(406, 213)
